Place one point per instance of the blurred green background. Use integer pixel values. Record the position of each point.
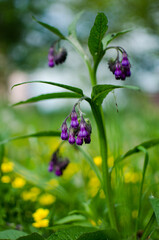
(24, 48)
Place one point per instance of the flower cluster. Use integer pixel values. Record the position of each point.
(57, 164)
(79, 130)
(40, 218)
(55, 57)
(121, 69)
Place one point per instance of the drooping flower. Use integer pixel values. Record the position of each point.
(57, 164)
(71, 139)
(64, 134)
(121, 69)
(74, 120)
(55, 56)
(118, 71)
(51, 60)
(80, 129)
(125, 61)
(60, 57)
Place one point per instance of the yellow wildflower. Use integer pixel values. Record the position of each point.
(5, 179)
(132, 177)
(97, 160)
(93, 186)
(110, 161)
(31, 195)
(47, 199)
(71, 170)
(93, 222)
(40, 213)
(41, 223)
(134, 213)
(18, 182)
(7, 167)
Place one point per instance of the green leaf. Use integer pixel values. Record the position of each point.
(72, 233)
(99, 92)
(11, 234)
(33, 236)
(32, 135)
(111, 36)
(73, 89)
(137, 149)
(155, 205)
(50, 28)
(96, 35)
(71, 218)
(72, 26)
(109, 234)
(49, 96)
(90, 161)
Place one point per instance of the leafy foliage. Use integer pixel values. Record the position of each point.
(33, 236)
(51, 28)
(11, 234)
(146, 145)
(73, 89)
(155, 205)
(72, 26)
(96, 35)
(72, 233)
(38, 134)
(49, 96)
(111, 36)
(99, 92)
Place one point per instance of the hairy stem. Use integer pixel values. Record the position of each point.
(98, 115)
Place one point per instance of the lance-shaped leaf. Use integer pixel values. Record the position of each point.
(146, 145)
(33, 236)
(96, 35)
(155, 205)
(109, 234)
(11, 234)
(72, 26)
(111, 36)
(73, 89)
(51, 28)
(33, 135)
(99, 92)
(90, 161)
(71, 233)
(49, 96)
(71, 218)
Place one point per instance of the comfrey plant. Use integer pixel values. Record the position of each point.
(78, 130)
(57, 163)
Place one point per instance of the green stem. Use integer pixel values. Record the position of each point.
(98, 115)
(142, 183)
(92, 73)
(149, 227)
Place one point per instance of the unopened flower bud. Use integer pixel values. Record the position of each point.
(60, 57)
(118, 71)
(79, 140)
(74, 120)
(87, 140)
(51, 61)
(125, 61)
